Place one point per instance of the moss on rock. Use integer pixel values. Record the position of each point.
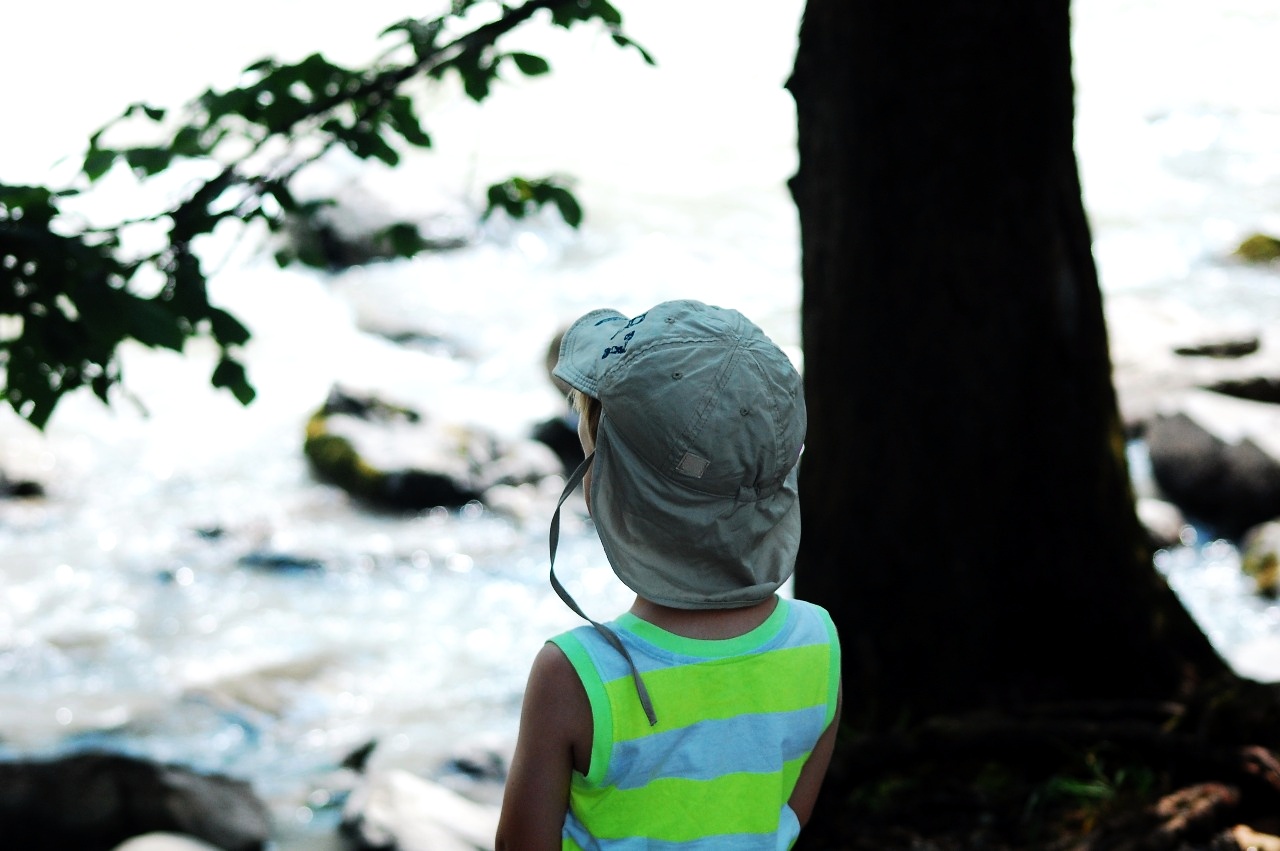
(1259, 248)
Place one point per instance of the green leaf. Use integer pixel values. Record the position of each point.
(421, 35)
(402, 239)
(529, 64)
(518, 195)
(477, 74)
(186, 143)
(567, 14)
(284, 111)
(187, 289)
(401, 116)
(497, 197)
(567, 204)
(97, 162)
(363, 140)
(37, 403)
(230, 374)
(317, 73)
(33, 208)
(265, 64)
(606, 12)
(280, 191)
(219, 105)
(155, 113)
(154, 324)
(227, 330)
(101, 383)
(71, 289)
(148, 161)
(623, 41)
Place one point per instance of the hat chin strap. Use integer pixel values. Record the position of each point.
(609, 635)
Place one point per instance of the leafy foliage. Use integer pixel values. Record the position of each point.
(517, 195)
(70, 295)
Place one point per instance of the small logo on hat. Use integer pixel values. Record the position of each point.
(622, 349)
(692, 465)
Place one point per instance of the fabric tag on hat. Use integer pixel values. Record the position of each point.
(692, 465)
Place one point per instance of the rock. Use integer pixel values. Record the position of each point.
(1259, 248)
(397, 809)
(97, 800)
(278, 562)
(1260, 557)
(1163, 521)
(394, 456)
(1217, 461)
(358, 759)
(478, 770)
(1148, 369)
(562, 437)
(1220, 348)
(20, 488)
(1257, 389)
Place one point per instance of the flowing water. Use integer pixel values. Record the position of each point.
(128, 615)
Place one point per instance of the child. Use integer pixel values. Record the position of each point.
(705, 716)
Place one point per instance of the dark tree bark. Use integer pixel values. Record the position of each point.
(967, 511)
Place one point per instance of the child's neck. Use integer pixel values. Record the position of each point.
(705, 623)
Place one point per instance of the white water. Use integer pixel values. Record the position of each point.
(120, 625)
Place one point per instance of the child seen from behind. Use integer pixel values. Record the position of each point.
(704, 717)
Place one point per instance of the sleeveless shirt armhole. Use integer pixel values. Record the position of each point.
(601, 714)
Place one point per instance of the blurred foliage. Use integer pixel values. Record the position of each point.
(70, 295)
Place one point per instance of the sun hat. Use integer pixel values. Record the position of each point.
(693, 488)
(694, 480)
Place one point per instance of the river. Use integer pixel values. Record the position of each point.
(127, 618)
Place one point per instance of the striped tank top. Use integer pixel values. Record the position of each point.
(737, 719)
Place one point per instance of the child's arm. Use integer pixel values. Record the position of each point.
(805, 793)
(554, 737)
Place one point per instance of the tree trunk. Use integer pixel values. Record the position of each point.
(968, 518)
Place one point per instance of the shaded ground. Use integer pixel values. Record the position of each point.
(1115, 779)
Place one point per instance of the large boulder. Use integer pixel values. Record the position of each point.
(1205, 398)
(1217, 459)
(394, 456)
(92, 801)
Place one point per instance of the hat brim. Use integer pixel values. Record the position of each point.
(580, 349)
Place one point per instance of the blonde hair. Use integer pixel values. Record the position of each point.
(588, 407)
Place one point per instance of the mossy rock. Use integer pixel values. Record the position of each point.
(1259, 248)
(334, 459)
(394, 457)
(1260, 558)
